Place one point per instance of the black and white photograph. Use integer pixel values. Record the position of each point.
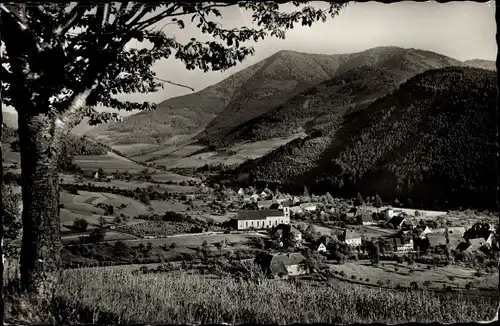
(249, 162)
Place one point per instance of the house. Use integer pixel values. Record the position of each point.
(282, 265)
(436, 240)
(254, 197)
(352, 213)
(275, 206)
(388, 213)
(472, 245)
(262, 219)
(320, 245)
(351, 238)
(424, 232)
(241, 192)
(190, 197)
(310, 207)
(397, 221)
(263, 195)
(366, 219)
(264, 204)
(96, 175)
(403, 244)
(288, 231)
(295, 209)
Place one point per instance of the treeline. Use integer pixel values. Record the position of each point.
(430, 141)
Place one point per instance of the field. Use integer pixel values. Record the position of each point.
(454, 276)
(367, 231)
(109, 236)
(130, 150)
(243, 151)
(194, 240)
(109, 163)
(115, 295)
(171, 151)
(131, 185)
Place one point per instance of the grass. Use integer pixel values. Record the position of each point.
(131, 185)
(437, 277)
(193, 240)
(243, 151)
(109, 163)
(111, 295)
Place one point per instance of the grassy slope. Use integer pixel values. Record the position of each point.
(182, 115)
(117, 296)
(435, 127)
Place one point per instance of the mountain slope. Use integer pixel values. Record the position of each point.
(428, 141)
(359, 79)
(285, 74)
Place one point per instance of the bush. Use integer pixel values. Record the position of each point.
(81, 224)
(353, 277)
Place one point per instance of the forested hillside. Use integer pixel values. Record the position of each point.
(360, 78)
(429, 142)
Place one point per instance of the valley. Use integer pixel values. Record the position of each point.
(160, 200)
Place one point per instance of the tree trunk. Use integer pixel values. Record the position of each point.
(1, 222)
(40, 260)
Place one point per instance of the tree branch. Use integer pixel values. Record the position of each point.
(11, 13)
(180, 85)
(68, 22)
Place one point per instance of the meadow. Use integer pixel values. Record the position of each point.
(236, 154)
(392, 274)
(116, 295)
(109, 163)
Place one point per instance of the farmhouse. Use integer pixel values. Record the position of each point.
(436, 240)
(403, 244)
(262, 219)
(288, 231)
(366, 219)
(281, 265)
(351, 238)
(397, 222)
(352, 213)
(320, 245)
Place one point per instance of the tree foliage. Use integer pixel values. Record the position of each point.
(65, 54)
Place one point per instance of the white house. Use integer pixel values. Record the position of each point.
(295, 209)
(262, 219)
(321, 247)
(263, 194)
(403, 244)
(424, 233)
(254, 197)
(241, 192)
(310, 207)
(351, 238)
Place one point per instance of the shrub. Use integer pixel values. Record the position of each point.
(81, 224)
(451, 277)
(353, 277)
(427, 283)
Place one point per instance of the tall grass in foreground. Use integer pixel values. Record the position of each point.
(108, 295)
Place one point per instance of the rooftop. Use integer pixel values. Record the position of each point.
(246, 215)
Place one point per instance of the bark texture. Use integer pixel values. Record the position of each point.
(40, 260)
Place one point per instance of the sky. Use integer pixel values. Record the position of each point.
(461, 30)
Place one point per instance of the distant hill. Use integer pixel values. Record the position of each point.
(428, 141)
(216, 113)
(360, 80)
(186, 114)
(483, 64)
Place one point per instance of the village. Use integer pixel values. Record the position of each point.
(285, 235)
